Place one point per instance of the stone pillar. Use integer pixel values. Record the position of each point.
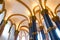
(42, 32)
(57, 21)
(49, 25)
(33, 29)
(16, 34)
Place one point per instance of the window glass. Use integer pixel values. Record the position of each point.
(2, 16)
(5, 33)
(1, 6)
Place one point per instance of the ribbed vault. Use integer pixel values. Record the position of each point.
(20, 12)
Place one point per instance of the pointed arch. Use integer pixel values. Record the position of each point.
(21, 28)
(55, 11)
(25, 6)
(21, 22)
(17, 15)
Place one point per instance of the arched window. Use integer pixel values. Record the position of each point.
(5, 33)
(23, 35)
(1, 7)
(1, 17)
(11, 33)
(39, 36)
(58, 32)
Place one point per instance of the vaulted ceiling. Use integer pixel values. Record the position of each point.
(16, 9)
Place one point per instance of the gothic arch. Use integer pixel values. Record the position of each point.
(22, 22)
(17, 15)
(55, 11)
(21, 28)
(25, 6)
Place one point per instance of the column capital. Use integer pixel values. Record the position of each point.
(51, 28)
(1, 1)
(56, 18)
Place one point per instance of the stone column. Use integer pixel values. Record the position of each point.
(16, 34)
(49, 25)
(57, 21)
(33, 29)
